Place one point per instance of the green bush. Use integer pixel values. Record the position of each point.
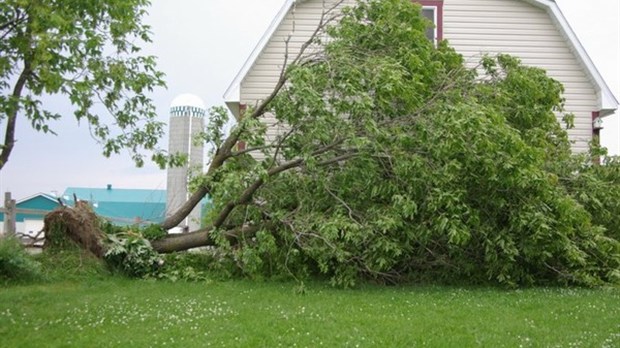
(185, 266)
(153, 232)
(15, 262)
(211, 263)
(132, 255)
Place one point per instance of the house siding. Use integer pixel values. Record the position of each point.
(476, 27)
(473, 28)
(299, 24)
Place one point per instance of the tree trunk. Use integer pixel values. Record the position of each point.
(11, 117)
(200, 238)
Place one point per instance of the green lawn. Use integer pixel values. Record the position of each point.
(130, 313)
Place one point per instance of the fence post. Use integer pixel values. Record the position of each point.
(9, 215)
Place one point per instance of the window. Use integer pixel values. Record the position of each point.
(430, 14)
(433, 10)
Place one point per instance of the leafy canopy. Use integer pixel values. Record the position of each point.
(89, 52)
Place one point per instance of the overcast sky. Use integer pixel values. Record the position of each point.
(201, 45)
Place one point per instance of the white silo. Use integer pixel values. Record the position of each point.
(187, 113)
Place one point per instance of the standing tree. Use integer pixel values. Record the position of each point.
(87, 51)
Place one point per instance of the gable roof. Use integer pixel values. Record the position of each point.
(607, 101)
(44, 196)
(233, 93)
(41, 202)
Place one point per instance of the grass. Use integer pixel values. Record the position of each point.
(117, 312)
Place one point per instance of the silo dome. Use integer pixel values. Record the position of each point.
(187, 105)
(188, 99)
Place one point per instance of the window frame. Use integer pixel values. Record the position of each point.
(437, 7)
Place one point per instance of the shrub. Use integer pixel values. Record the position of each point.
(132, 255)
(153, 232)
(15, 262)
(185, 266)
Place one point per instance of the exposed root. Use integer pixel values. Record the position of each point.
(77, 225)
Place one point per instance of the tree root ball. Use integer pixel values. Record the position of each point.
(68, 227)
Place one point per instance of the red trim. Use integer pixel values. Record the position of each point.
(439, 5)
(242, 109)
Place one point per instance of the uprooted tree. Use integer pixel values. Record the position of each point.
(398, 163)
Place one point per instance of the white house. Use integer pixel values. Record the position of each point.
(533, 30)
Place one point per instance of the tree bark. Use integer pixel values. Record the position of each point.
(200, 238)
(9, 137)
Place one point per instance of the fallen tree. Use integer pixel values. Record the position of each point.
(400, 163)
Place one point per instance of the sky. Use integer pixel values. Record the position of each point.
(201, 45)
